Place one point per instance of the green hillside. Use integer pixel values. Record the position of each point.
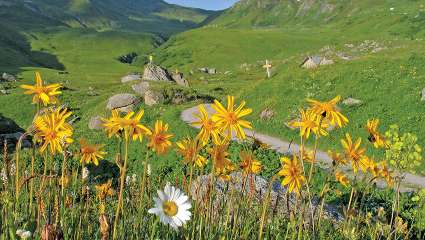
(377, 47)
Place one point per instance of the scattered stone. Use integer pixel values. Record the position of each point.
(11, 133)
(227, 72)
(95, 123)
(280, 201)
(423, 95)
(212, 71)
(179, 98)
(155, 73)
(141, 88)
(352, 102)
(124, 102)
(7, 77)
(131, 77)
(152, 97)
(203, 70)
(91, 92)
(267, 114)
(180, 80)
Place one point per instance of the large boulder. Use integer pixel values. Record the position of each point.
(124, 102)
(141, 88)
(131, 77)
(423, 95)
(155, 73)
(153, 97)
(180, 80)
(95, 123)
(257, 187)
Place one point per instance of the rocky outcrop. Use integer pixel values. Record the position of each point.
(7, 77)
(124, 102)
(155, 73)
(208, 70)
(258, 187)
(131, 77)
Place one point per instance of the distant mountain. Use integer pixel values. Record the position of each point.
(19, 19)
(155, 16)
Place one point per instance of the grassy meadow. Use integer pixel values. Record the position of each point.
(378, 54)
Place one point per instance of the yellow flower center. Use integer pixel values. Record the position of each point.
(170, 208)
(232, 118)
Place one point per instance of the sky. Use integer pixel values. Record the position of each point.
(205, 4)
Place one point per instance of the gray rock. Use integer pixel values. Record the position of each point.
(7, 125)
(155, 73)
(8, 77)
(267, 114)
(4, 91)
(91, 92)
(212, 71)
(180, 80)
(124, 102)
(141, 88)
(130, 78)
(423, 95)
(257, 187)
(203, 70)
(95, 123)
(352, 102)
(10, 133)
(153, 97)
(179, 98)
(227, 72)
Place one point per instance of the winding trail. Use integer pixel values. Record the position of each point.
(410, 182)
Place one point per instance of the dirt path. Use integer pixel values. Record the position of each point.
(410, 182)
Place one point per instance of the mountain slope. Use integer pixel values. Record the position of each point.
(401, 16)
(22, 19)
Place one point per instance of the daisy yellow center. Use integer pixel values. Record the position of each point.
(88, 150)
(170, 208)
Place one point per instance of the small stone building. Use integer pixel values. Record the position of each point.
(315, 61)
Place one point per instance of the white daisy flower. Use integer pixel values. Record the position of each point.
(172, 207)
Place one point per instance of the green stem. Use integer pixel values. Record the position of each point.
(122, 183)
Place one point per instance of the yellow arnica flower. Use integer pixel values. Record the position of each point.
(355, 153)
(230, 120)
(104, 190)
(209, 128)
(308, 123)
(160, 139)
(374, 136)
(128, 125)
(221, 163)
(249, 164)
(337, 158)
(308, 155)
(292, 173)
(91, 153)
(386, 173)
(341, 178)
(42, 94)
(52, 130)
(189, 149)
(329, 111)
(374, 168)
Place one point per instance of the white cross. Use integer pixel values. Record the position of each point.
(268, 67)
